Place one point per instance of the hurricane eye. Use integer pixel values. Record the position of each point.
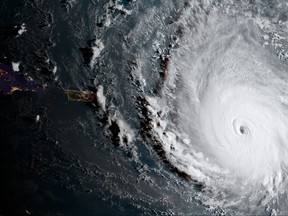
(240, 127)
(243, 130)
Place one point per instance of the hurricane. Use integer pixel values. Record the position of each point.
(220, 115)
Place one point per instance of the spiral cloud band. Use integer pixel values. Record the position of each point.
(225, 119)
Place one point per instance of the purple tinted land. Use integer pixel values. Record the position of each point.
(10, 81)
